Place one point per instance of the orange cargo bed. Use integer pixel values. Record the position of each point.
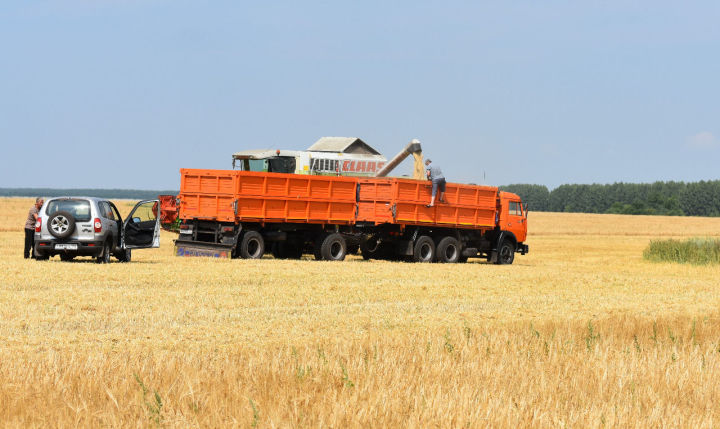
(247, 196)
(403, 201)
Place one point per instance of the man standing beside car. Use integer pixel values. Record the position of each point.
(30, 228)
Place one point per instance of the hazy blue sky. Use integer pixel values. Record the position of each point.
(122, 94)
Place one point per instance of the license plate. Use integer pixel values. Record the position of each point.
(66, 247)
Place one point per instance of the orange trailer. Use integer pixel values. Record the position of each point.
(239, 212)
(247, 196)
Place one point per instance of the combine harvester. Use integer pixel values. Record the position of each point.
(242, 213)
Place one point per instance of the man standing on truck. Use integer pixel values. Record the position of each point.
(435, 175)
(30, 228)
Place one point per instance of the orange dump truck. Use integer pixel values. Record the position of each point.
(231, 213)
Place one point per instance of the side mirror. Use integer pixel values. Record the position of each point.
(136, 220)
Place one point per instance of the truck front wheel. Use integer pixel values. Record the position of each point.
(506, 253)
(252, 245)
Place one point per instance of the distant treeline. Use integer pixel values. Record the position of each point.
(659, 198)
(129, 194)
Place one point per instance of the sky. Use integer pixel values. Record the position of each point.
(124, 93)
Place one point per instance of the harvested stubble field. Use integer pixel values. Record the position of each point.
(582, 332)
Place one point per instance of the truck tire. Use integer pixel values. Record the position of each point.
(252, 245)
(333, 247)
(61, 224)
(506, 252)
(424, 249)
(448, 250)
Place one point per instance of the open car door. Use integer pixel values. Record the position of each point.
(141, 229)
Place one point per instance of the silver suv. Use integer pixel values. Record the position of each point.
(87, 226)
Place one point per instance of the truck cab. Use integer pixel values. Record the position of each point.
(512, 224)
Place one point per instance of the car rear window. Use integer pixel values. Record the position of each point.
(80, 209)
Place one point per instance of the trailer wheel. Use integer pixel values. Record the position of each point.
(448, 250)
(424, 250)
(506, 253)
(333, 247)
(252, 245)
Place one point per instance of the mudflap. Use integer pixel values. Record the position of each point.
(198, 248)
(493, 258)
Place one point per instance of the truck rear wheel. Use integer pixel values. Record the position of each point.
(252, 245)
(333, 247)
(448, 250)
(506, 252)
(424, 250)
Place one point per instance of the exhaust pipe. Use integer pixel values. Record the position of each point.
(412, 147)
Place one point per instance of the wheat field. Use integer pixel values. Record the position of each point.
(581, 332)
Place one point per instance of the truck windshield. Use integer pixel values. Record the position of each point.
(80, 209)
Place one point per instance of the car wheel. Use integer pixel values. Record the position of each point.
(125, 255)
(104, 257)
(61, 224)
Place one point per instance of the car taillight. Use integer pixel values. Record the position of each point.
(38, 224)
(98, 225)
